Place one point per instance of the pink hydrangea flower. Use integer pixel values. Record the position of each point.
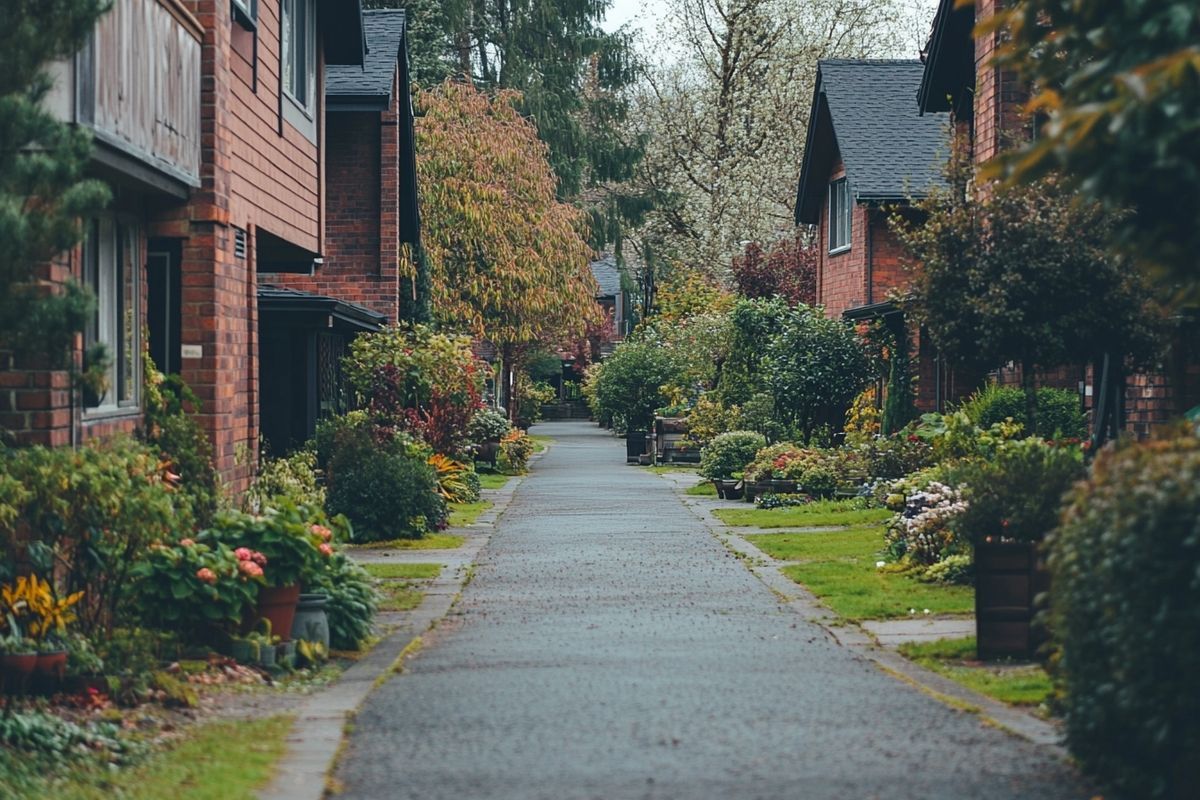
(250, 569)
(207, 575)
(187, 542)
(258, 558)
(323, 532)
(325, 549)
(243, 554)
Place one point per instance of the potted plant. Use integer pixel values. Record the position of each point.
(1013, 501)
(486, 428)
(726, 456)
(288, 543)
(85, 667)
(18, 656)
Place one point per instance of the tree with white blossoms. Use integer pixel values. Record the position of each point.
(727, 103)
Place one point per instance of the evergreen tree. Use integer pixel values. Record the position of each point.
(427, 23)
(43, 192)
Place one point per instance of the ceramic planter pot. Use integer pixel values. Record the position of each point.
(728, 489)
(636, 446)
(277, 604)
(52, 663)
(311, 623)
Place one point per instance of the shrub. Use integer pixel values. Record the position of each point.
(630, 384)
(352, 602)
(530, 396)
(174, 432)
(515, 450)
(818, 481)
(815, 368)
(954, 437)
(1058, 411)
(730, 453)
(291, 479)
(863, 418)
(758, 415)
(456, 481)
(754, 324)
(387, 490)
(893, 457)
(1017, 493)
(487, 425)
(87, 515)
(771, 461)
(289, 536)
(710, 418)
(924, 531)
(1126, 617)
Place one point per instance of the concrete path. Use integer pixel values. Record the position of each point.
(610, 647)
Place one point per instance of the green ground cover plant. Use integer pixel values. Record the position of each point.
(821, 513)
(463, 514)
(1017, 684)
(840, 567)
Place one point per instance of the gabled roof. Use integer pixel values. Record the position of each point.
(369, 87)
(949, 58)
(866, 112)
(607, 275)
(341, 24)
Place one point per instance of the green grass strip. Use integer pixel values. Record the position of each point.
(1018, 684)
(840, 568)
(399, 596)
(400, 570)
(703, 489)
(820, 514)
(463, 514)
(228, 760)
(431, 541)
(493, 480)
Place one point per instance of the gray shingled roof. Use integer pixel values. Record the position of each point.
(867, 111)
(607, 275)
(384, 30)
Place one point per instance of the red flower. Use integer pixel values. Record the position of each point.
(207, 575)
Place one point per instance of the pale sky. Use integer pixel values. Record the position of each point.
(644, 14)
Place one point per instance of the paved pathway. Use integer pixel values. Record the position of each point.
(609, 647)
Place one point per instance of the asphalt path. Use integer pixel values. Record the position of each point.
(609, 647)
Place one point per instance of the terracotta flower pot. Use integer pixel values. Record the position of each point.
(52, 663)
(15, 669)
(277, 604)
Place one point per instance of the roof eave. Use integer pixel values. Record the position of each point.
(805, 214)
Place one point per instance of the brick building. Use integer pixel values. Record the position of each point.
(987, 104)
(868, 153)
(213, 129)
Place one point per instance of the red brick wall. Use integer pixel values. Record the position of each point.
(999, 96)
(362, 223)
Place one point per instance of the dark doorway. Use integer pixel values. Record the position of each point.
(163, 302)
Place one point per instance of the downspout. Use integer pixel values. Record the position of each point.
(870, 256)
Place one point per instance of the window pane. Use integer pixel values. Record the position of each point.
(127, 352)
(286, 56)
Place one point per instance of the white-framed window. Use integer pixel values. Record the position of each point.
(112, 261)
(840, 209)
(298, 52)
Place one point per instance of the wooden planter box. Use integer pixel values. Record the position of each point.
(1009, 576)
(728, 489)
(783, 486)
(755, 489)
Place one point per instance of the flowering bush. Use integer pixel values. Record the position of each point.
(487, 425)
(954, 436)
(293, 478)
(287, 538)
(924, 532)
(516, 448)
(197, 589)
(710, 418)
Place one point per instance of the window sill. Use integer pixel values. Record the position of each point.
(839, 250)
(111, 413)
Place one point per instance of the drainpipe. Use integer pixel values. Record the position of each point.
(870, 293)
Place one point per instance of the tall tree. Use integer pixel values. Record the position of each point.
(727, 109)
(507, 259)
(785, 268)
(43, 192)
(1022, 274)
(427, 22)
(1118, 88)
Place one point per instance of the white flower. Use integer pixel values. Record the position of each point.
(880, 564)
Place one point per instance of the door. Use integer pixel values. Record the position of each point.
(164, 300)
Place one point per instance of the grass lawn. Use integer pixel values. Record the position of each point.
(702, 489)
(540, 442)
(463, 514)
(399, 596)
(493, 480)
(225, 760)
(818, 514)
(431, 541)
(839, 567)
(663, 469)
(409, 571)
(1016, 683)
